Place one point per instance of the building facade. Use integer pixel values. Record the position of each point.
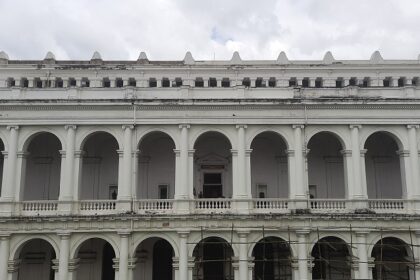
(209, 169)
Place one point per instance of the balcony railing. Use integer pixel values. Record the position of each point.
(154, 206)
(270, 205)
(387, 205)
(41, 208)
(95, 207)
(212, 205)
(328, 204)
(204, 206)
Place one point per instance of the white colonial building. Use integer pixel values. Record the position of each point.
(209, 170)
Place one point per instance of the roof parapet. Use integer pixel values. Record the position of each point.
(4, 58)
(282, 59)
(189, 59)
(376, 58)
(236, 59)
(328, 58)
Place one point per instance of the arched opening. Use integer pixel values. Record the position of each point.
(95, 260)
(269, 168)
(212, 166)
(272, 259)
(1, 164)
(331, 259)
(213, 260)
(43, 165)
(156, 169)
(383, 172)
(393, 260)
(325, 167)
(154, 260)
(36, 258)
(100, 167)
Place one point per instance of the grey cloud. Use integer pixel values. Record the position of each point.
(166, 29)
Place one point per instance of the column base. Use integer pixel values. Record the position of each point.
(124, 206)
(358, 204)
(242, 206)
(182, 206)
(65, 207)
(7, 208)
(299, 205)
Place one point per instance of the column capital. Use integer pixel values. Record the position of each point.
(290, 153)
(242, 233)
(303, 231)
(184, 126)
(403, 153)
(415, 126)
(124, 233)
(5, 236)
(183, 233)
(244, 126)
(362, 232)
(346, 153)
(14, 127)
(70, 126)
(363, 152)
(22, 154)
(301, 126)
(234, 152)
(248, 152)
(127, 126)
(177, 152)
(64, 234)
(191, 152)
(353, 126)
(79, 153)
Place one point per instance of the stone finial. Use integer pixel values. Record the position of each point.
(96, 56)
(4, 58)
(282, 58)
(188, 59)
(376, 58)
(328, 58)
(49, 56)
(143, 57)
(236, 58)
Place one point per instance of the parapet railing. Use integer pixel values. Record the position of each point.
(205, 205)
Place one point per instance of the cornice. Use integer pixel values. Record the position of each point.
(200, 106)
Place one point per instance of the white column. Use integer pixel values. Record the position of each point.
(125, 190)
(406, 176)
(358, 192)
(414, 161)
(300, 171)
(9, 184)
(123, 263)
(67, 179)
(303, 253)
(183, 255)
(239, 173)
(243, 255)
(63, 265)
(362, 255)
(182, 188)
(4, 255)
(363, 171)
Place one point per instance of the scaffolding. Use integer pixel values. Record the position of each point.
(393, 259)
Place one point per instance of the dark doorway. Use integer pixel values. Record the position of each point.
(272, 258)
(212, 186)
(162, 261)
(108, 254)
(213, 260)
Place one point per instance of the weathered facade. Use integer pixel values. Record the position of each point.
(209, 169)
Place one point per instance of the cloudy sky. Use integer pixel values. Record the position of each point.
(210, 29)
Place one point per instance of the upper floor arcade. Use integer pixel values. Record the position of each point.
(194, 169)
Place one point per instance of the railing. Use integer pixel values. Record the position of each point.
(154, 205)
(203, 206)
(328, 204)
(213, 205)
(39, 207)
(270, 205)
(97, 206)
(387, 205)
